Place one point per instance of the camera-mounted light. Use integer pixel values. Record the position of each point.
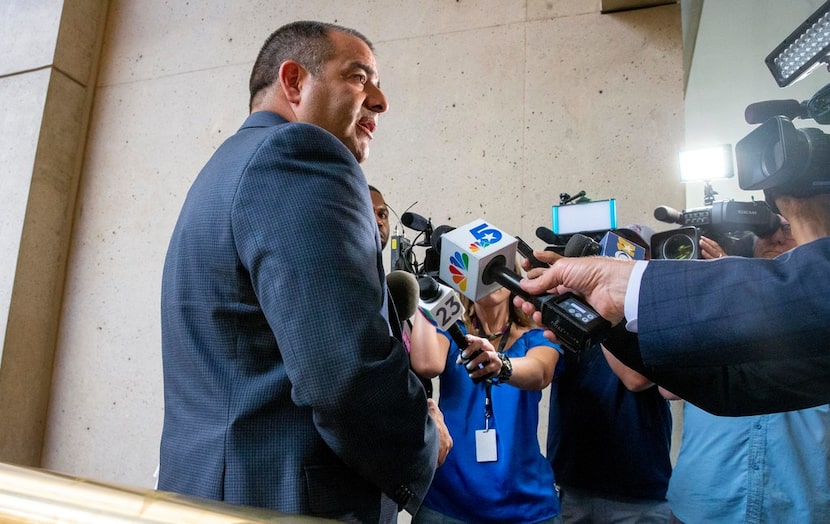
(805, 49)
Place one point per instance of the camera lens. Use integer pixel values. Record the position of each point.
(679, 247)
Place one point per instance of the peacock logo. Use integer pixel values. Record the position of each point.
(459, 264)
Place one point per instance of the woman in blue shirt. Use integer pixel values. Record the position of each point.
(495, 471)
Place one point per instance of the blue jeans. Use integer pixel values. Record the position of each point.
(586, 507)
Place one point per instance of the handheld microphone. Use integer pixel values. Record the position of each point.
(403, 288)
(474, 262)
(575, 324)
(616, 246)
(546, 235)
(611, 245)
(440, 305)
(580, 245)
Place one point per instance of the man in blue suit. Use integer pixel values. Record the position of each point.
(734, 336)
(283, 387)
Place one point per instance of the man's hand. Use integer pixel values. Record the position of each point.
(444, 437)
(602, 281)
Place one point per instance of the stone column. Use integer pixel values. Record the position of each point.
(48, 66)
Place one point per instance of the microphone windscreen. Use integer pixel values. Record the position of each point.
(403, 288)
(581, 246)
(415, 221)
(546, 235)
(760, 112)
(668, 215)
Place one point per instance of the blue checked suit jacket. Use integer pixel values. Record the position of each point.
(282, 386)
(739, 336)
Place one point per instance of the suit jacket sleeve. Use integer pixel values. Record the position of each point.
(305, 231)
(738, 336)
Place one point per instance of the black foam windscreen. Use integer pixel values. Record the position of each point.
(581, 246)
(546, 235)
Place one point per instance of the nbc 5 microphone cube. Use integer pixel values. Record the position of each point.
(467, 250)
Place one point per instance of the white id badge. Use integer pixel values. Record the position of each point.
(486, 445)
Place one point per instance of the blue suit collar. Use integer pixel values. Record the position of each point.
(263, 119)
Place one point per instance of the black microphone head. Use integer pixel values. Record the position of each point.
(403, 287)
(415, 221)
(428, 288)
(435, 239)
(581, 246)
(669, 215)
(760, 112)
(546, 235)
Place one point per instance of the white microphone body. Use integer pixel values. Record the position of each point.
(444, 310)
(465, 253)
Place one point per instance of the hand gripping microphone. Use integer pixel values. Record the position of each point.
(440, 305)
(474, 260)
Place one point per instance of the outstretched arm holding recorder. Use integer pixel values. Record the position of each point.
(734, 336)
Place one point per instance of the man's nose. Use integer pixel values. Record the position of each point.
(376, 100)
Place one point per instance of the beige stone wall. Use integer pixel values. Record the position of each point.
(496, 107)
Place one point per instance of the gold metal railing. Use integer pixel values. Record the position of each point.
(31, 495)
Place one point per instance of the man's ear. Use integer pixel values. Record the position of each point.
(291, 77)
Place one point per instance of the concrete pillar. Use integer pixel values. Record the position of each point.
(47, 83)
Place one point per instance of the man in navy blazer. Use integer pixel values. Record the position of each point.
(282, 385)
(734, 336)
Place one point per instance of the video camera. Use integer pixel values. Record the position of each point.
(727, 222)
(777, 157)
(404, 256)
(781, 159)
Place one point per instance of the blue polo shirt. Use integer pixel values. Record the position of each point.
(519, 486)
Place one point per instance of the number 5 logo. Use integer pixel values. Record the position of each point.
(485, 234)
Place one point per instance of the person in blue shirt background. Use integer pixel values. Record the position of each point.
(761, 468)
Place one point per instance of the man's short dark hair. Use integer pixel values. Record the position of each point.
(305, 42)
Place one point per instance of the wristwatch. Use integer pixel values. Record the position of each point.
(506, 368)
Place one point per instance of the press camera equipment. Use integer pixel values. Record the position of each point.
(777, 157)
(404, 256)
(578, 214)
(727, 222)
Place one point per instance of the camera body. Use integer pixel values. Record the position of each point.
(781, 159)
(727, 222)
